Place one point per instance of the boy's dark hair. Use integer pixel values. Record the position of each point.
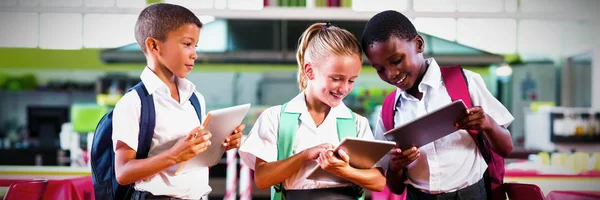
(385, 24)
(157, 20)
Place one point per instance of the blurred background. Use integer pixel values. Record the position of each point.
(65, 63)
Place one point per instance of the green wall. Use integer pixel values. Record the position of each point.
(89, 59)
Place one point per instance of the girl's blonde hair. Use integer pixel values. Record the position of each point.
(321, 40)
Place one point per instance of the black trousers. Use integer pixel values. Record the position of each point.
(339, 193)
(142, 195)
(473, 192)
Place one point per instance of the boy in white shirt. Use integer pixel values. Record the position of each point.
(329, 61)
(451, 167)
(168, 35)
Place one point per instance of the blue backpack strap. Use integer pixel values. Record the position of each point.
(147, 121)
(196, 103)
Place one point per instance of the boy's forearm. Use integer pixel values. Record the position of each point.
(395, 181)
(370, 179)
(499, 138)
(271, 173)
(138, 169)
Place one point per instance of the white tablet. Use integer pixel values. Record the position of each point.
(429, 127)
(220, 123)
(364, 154)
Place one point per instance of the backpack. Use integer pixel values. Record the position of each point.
(102, 155)
(454, 76)
(288, 125)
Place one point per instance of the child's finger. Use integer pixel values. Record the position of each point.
(414, 156)
(321, 160)
(234, 143)
(409, 151)
(240, 128)
(473, 125)
(204, 137)
(476, 109)
(235, 136)
(343, 155)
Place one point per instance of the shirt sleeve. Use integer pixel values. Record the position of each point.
(261, 142)
(126, 117)
(481, 96)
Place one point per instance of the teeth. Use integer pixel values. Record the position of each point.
(402, 79)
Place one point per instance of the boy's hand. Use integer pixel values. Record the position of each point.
(314, 152)
(401, 159)
(197, 141)
(476, 119)
(234, 140)
(332, 163)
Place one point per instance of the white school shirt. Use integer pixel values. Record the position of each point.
(262, 139)
(174, 120)
(452, 162)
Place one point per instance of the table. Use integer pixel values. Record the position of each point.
(63, 182)
(568, 195)
(548, 182)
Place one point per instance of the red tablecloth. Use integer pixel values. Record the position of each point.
(537, 174)
(575, 195)
(80, 188)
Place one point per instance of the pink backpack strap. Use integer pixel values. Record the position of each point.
(456, 84)
(387, 111)
(387, 116)
(457, 87)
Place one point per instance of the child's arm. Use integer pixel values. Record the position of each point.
(267, 174)
(129, 170)
(399, 161)
(371, 179)
(498, 136)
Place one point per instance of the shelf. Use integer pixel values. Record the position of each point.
(299, 13)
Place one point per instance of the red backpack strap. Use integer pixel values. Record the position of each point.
(457, 87)
(456, 84)
(387, 111)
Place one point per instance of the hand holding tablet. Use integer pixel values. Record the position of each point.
(362, 154)
(221, 124)
(429, 127)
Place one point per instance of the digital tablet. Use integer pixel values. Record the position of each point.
(364, 154)
(429, 127)
(220, 123)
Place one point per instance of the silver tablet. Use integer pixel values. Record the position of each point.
(220, 123)
(429, 127)
(364, 154)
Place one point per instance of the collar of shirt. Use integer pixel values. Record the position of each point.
(298, 105)
(155, 85)
(432, 78)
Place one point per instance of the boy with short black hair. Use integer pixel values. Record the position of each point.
(451, 167)
(168, 35)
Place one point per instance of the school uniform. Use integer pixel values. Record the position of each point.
(174, 120)
(262, 139)
(451, 163)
